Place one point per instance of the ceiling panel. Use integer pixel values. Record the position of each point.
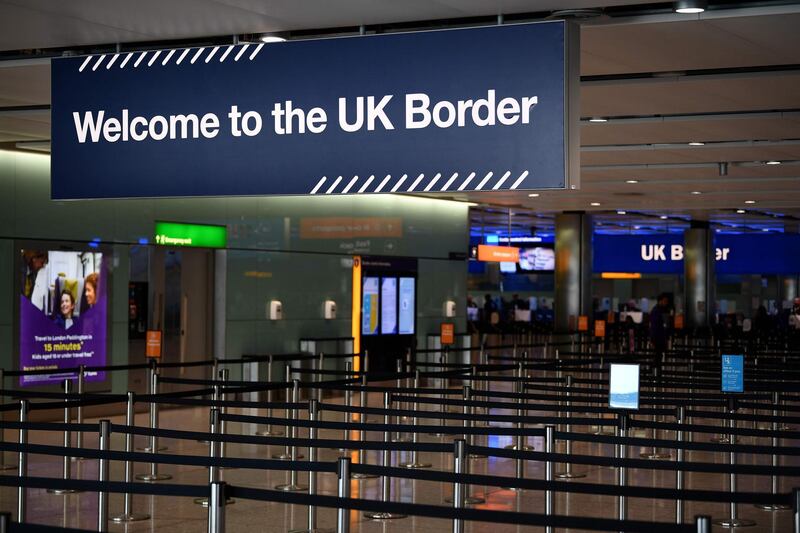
(690, 154)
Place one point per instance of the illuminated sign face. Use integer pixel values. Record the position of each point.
(505, 254)
(191, 235)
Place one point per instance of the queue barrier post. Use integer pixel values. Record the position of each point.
(549, 447)
(79, 409)
(386, 481)
(702, 524)
(414, 462)
(293, 392)
(219, 389)
(22, 494)
(622, 452)
(774, 480)
(292, 485)
(152, 388)
(459, 489)
(796, 510)
(343, 491)
(5, 522)
(216, 507)
(269, 431)
(127, 514)
(679, 457)
(654, 453)
(362, 434)
(567, 473)
(519, 441)
(399, 437)
(469, 423)
(733, 520)
(3, 464)
(102, 476)
(348, 401)
(66, 466)
(153, 475)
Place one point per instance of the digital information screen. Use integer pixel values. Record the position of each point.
(732, 378)
(388, 306)
(537, 259)
(623, 390)
(369, 306)
(407, 295)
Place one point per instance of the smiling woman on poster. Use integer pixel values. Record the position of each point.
(66, 308)
(90, 291)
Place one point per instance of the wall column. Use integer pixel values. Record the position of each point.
(699, 279)
(573, 275)
(220, 289)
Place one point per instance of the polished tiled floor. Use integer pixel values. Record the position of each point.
(175, 514)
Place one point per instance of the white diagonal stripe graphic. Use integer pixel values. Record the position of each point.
(399, 183)
(245, 47)
(335, 183)
(352, 182)
(211, 53)
(501, 181)
(182, 56)
(433, 182)
(449, 182)
(153, 59)
(196, 56)
(85, 62)
(364, 187)
(102, 57)
(466, 181)
(125, 61)
(169, 56)
(385, 180)
(135, 65)
(225, 55)
(256, 51)
(484, 180)
(318, 185)
(113, 60)
(519, 180)
(416, 182)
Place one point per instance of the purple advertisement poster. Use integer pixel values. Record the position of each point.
(62, 314)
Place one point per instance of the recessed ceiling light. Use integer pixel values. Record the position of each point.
(764, 229)
(749, 201)
(690, 7)
(270, 38)
(598, 119)
(696, 143)
(773, 162)
(595, 204)
(631, 181)
(533, 195)
(741, 211)
(637, 227)
(621, 212)
(696, 192)
(663, 217)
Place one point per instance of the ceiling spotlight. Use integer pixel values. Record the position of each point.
(533, 195)
(598, 120)
(690, 7)
(632, 181)
(722, 168)
(663, 217)
(741, 211)
(749, 201)
(696, 143)
(595, 204)
(622, 212)
(773, 162)
(764, 229)
(696, 192)
(637, 227)
(271, 38)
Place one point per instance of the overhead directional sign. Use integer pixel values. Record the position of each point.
(483, 109)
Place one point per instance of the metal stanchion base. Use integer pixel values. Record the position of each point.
(62, 491)
(773, 507)
(151, 478)
(602, 431)
(475, 456)
(570, 475)
(286, 456)
(655, 455)
(269, 433)
(147, 449)
(720, 440)
(736, 522)
(524, 448)
(469, 500)
(204, 501)
(290, 487)
(131, 517)
(315, 530)
(364, 476)
(414, 465)
(401, 439)
(383, 516)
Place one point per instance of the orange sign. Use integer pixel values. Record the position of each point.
(599, 328)
(612, 316)
(448, 333)
(679, 321)
(583, 323)
(505, 254)
(152, 347)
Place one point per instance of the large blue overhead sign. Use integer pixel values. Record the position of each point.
(456, 110)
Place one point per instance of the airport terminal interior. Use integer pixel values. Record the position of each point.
(379, 266)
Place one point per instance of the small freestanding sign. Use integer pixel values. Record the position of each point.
(732, 375)
(480, 109)
(623, 391)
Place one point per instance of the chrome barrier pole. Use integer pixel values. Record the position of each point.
(519, 441)
(213, 453)
(3, 464)
(220, 390)
(399, 437)
(66, 468)
(343, 491)
(549, 447)
(468, 500)
(459, 489)
(702, 524)
(216, 507)
(102, 476)
(679, 458)
(5, 522)
(269, 432)
(654, 453)
(316, 391)
(775, 481)
(348, 402)
(292, 485)
(154, 475)
(289, 414)
(362, 434)
(313, 415)
(386, 462)
(567, 473)
(79, 436)
(152, 388)
(127, 514)
(733, 519)
(22, 495)
(469, 411)
(796, 510)
(622, 452)
(414, 462)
